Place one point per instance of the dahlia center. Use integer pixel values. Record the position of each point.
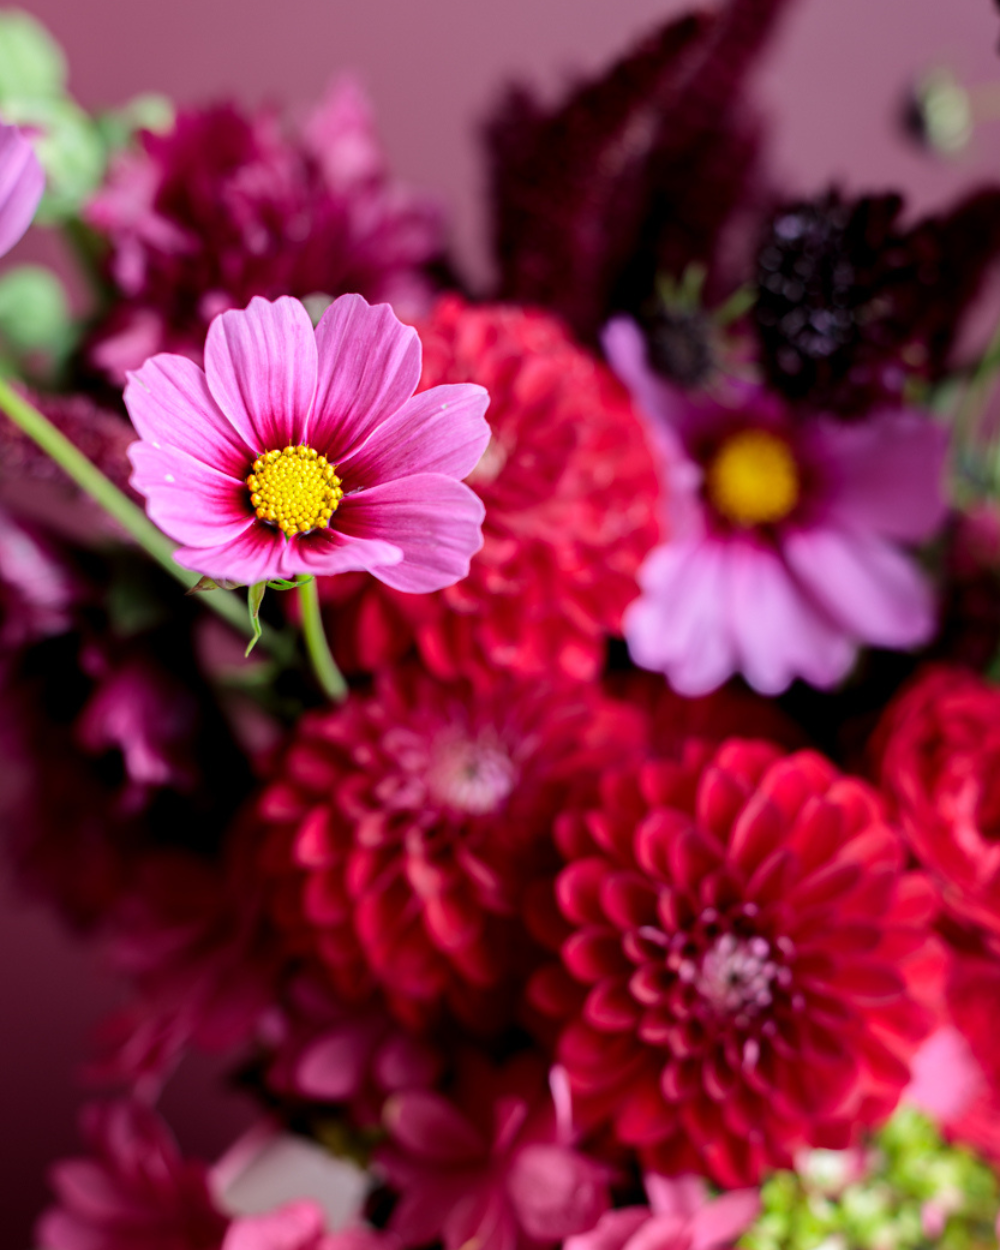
(295, 489)
(471, 775)
(753, 479)
(735, 975)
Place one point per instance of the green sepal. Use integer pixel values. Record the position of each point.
(255, 597)
(282, 583)
(209, 583)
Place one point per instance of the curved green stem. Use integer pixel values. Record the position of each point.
(117, 505)
(324, 665)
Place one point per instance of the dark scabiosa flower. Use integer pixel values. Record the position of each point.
(571, 509)
(738, 923)
(851, 305)
(409, 825)
(225, 207)
(638, 172)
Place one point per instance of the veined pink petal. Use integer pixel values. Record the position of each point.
(441, 430)
(867, 586)
(188, 500)
(261, 366)
(369, 366)
(434, 520)
(256, 555)
(778, 632)
(678, 624)
(169, 403)
(21, 185)
(327, 552)
(888, 474)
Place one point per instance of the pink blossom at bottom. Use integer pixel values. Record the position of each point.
(680, 1216)
(301, 1226)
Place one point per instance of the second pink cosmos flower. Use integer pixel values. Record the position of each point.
(302, 451)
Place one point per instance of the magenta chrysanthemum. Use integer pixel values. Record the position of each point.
(785, 538)
(302, 451)
(734, 972)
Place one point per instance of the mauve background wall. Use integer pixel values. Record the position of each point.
(432, 67)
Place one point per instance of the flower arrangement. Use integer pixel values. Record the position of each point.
(567, 794)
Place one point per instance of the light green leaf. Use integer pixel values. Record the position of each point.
(34, 311)
(32, 65)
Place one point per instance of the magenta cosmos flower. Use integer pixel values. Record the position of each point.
(21, 185)
(302, 451)
(785, 540)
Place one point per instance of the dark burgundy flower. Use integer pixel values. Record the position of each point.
(135, 1190)
(851, 305)
(225, 207)
(938, 751)
(37, 589)
(738, 922)
(491, 1167)
(637, 172)
(408, 826)
(570, 497)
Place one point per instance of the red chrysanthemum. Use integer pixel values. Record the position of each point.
(410, 824)
(571, 509)
(939, 748)
(739, 922)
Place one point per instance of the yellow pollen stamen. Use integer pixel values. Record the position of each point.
(753, 479)
(295, 489)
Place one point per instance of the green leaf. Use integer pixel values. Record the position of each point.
(34, 311)
(255, 597)
(150, 111)
(32, 64)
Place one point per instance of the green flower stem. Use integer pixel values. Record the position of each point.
(129, 516)
(324, 665)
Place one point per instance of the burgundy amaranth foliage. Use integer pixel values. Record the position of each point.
(227, 206)
(852, 305)
(571, 510)
(491, 1166)
(737, 928)
(134, 1190)
(408, 827)
(637, 172)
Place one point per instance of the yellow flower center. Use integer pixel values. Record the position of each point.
(753, 479)
(295, 489)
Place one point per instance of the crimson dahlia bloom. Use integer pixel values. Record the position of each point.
(939, 751)
(307, 452)
(570, 496)
(409, 827)
(739, 924)
(491, 1167)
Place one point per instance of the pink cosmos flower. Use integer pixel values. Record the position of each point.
(21, 185)
(302, 451)
(680, 1216)
(784, 550)
(491, 1168)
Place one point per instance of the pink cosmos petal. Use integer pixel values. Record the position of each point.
(428, 1126)
(261, 367)
(325, 553)
(946, 1077)
(369, 366)
(867, 586)
(675, 1195)
(169, 403)
(778, 633)
(721, 1221)
(611, 1232)
(434, 520)
(661, 1232)
(888, 474)
(21, 185)
(296, 1226)
(658, 402)
(188, 500)
(677, 626)
(256, 555)
(442, 430)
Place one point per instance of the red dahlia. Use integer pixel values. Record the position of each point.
(571, 508)
(409, 825)
(939, 745)
(738, 922)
